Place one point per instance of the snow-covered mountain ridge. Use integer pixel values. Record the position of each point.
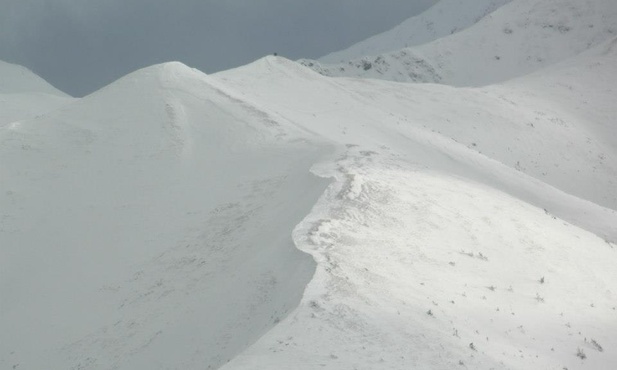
(129, 195)
(195, 129)
(388, 239)
(18, 79)
(269, 217)
(518, 38)
(444, 18)
(25, 95)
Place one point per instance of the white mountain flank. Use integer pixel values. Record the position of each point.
(269, 217)
(25, 95)
(17, 79)
(444, 18)
(132, 219)
(518, 38)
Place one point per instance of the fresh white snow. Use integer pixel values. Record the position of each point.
(492, 134)
(17, 79)
(419, 265)
(518, 38)
(444, 18)
(136, 227)
(438, 273)
(25, 95)
(269, 217)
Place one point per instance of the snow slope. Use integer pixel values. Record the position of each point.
(160, 223)
(420, 220)
(15, 107)
(149, 226)
(24, 95)
(424, 270)
(518, 38)
(442, 19)
(18, 79)
(582, 87)
(495, 136)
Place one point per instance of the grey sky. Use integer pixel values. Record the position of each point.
(81, 45)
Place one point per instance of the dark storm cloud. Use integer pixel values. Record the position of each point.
(80, 45)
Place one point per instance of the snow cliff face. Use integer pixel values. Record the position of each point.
(442, 19)
(518, 38)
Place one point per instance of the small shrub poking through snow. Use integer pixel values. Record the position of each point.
(596, 345)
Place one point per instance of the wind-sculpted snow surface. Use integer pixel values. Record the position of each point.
(445, 18)
(518, 38)
(436, 242)
(149, 226)
(154, 223)
(424, 270)
(492, 135)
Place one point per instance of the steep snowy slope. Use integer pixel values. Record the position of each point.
(518, 38)
(424, 260)
(442, 19)
(24, 95)
(149, 226)
(489, 134)
(424, 270)
(152, 224)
